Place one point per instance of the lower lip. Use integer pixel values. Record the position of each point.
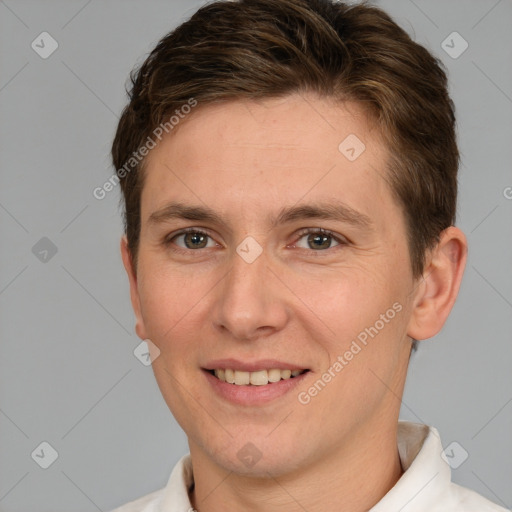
(253, 395)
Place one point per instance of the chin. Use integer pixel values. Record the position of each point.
(259, 456)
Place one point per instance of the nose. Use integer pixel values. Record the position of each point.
(251, 302)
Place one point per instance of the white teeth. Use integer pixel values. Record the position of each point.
(286, 374)
(242, 378)
(257, 378)
(274, 375)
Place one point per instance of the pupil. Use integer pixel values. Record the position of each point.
(196, 240)
(320, 241)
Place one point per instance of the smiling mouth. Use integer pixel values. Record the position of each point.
(257, 378)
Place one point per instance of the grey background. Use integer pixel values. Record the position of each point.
(68, 374)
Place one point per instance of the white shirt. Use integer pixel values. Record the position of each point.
(425, 485)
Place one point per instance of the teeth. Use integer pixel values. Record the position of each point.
(229, 376)
(258, 378)
(286, 374)
(274, 375)
(242, 378)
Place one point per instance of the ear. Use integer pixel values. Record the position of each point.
(134, 289)
(439, 285)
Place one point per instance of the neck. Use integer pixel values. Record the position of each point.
(357, 474)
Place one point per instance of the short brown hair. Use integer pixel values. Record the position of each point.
(250, 49)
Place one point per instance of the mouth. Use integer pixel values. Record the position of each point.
(255, 378)
(254, 383)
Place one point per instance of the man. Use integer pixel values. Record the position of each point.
(289, 171)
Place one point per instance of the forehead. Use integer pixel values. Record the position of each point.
(295, 126)
(250, 155)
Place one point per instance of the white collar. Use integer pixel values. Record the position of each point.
(426, 475)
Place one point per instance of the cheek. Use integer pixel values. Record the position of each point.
(350, 301)
(366, 315)
(168, 302)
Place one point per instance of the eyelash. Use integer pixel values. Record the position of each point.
(168, 241)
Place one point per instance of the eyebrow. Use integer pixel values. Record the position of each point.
(337, 211)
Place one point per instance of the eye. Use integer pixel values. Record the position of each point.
(192, 239)
(319, 239)
(315, 239)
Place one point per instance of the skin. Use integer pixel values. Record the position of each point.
(247, 160)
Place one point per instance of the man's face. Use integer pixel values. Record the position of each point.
(260, 287)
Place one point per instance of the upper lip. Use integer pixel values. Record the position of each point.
(251, 366)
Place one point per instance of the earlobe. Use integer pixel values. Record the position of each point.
(436, 294)
(134, 290)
